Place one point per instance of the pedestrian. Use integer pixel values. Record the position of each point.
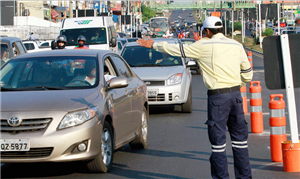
(180, 35)
(81, 40)
(32, 36)
(225, 69)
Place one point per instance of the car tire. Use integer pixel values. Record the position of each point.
(141, 141)
(103, 162)
(187, 107)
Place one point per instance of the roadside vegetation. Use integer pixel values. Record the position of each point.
(250, 43)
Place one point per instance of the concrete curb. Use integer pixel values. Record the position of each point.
(253, 50)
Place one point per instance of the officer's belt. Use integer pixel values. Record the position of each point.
(223, 90)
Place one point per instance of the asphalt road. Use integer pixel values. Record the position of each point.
(178, 145)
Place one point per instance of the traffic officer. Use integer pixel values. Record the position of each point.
(225, 69)
(81, 40)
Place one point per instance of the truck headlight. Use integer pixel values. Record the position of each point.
(175, 79)
(77, 117)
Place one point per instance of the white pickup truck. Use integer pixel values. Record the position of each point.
(32, 46)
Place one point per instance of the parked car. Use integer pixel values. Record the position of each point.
(11, 47)
(53, 111)
(32, 46)
(197, 67)
(168, 78)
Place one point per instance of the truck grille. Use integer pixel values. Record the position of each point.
(32, 153)
(155, 83)
(27, 125)
(159, 97)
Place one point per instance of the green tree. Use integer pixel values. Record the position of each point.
(147, 13)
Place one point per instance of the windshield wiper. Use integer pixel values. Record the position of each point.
(150, 64)
(47, 88)
(34, 87)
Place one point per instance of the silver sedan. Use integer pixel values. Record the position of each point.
(71, 105)
(168, 78)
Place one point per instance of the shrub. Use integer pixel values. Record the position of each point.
(255, 40)
(237, 26)
(268, 32)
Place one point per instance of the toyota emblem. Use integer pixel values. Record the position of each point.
(14, 121)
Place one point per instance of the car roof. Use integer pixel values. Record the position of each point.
(9, 39)
(169, 40)
(71, 52)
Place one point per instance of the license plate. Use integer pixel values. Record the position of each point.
(14, 144)
(152, 92)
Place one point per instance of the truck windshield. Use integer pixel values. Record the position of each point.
(92, 35)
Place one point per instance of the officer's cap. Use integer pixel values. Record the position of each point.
(210, 23)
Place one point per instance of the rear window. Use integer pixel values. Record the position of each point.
(93, 35)
(29, 46)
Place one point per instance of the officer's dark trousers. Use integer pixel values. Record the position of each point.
(227, 110)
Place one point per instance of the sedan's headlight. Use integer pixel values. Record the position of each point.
(77, 117)
(175, 79)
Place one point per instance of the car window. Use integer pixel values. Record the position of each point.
(5, 55)
(51, 73)
(46, 44)
(119, 45)
(29, 46)
(121, 67)
(20, 47)
(137, 56)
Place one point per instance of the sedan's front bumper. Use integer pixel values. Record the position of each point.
(52, 145)
(168, 95)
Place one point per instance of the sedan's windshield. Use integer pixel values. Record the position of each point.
(144, 57)
(49, 73)
(92, 35)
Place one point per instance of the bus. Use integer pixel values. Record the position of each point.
(159, 25)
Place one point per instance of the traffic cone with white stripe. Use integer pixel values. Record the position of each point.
(249, 55)
(277, 123)
(244, 96)
(256, 115)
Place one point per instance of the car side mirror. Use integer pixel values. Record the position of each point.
(113, 42)
(118, 82)
(191, 63)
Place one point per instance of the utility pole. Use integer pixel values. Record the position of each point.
(260, 45)
(232, 24)
(243, 26)
(71, 9)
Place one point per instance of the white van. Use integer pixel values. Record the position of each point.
(99, 32)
